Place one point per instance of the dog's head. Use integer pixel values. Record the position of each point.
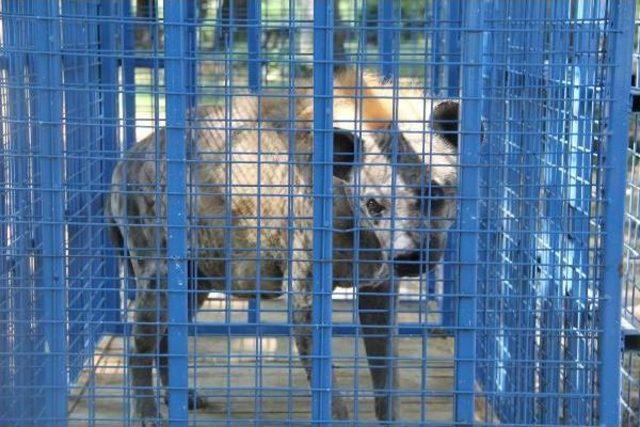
(400, 179)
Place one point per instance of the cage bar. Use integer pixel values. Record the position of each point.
(48, 140)
(176, 66)
(321, 379)
(471, 90)
(610, 306)
(521, 328)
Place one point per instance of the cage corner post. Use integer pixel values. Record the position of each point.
(49, 139)
(176, 97)
(620, 47)
(469, 193)
(321, 381)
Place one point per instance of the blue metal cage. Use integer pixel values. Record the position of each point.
(519, 322)
(631, 282)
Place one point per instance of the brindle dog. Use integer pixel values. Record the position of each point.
(250, 207)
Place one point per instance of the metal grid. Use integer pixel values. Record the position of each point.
(243, 162)
(540, 343)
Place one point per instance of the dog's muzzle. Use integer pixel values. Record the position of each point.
(412, 264)
(420, 261)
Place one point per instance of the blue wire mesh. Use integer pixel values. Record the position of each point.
(512, 326)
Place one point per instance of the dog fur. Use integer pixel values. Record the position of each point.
(250, 204)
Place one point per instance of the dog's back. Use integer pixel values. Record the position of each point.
(243, 200)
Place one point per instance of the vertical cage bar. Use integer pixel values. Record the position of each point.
(128, 74)
(436, 38)
(254, 16)
(452, 62)
(109, 103)
(193, 19)
(609, 345)
(322, 210)
(471, 91)
(6, 387)
(48, 114)
(452, 88)
(176, 74)
(76, 139)
(5, 343)
(387, 37)
(555, 118)
(254, 8)
(582, 76)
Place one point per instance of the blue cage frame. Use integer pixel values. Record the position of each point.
(52, 106)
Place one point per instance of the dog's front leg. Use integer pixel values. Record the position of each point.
(303, 338)
(377, 309)
(195, 303)
(150, 323)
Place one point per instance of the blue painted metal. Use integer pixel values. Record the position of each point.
(552, 182)
(48, 75)
(387, 37)
(453, 49)
(77, 111)
(451, 85)
(254, 34)
(176, 67)
(5, 396)
(266, 329)
(469, 191)
(129, 64)
(20, 282)
(630, 376)
(528, 292)
(581, 141)
(438, 46)
(321, 380)
(620, 46)
(109, 143)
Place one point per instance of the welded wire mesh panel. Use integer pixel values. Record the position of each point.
(55, 278)
(345, 212)
(548, 92)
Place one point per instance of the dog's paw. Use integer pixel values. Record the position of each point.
(339, 410)
(153, 422)
(195, 401)
(147, 413)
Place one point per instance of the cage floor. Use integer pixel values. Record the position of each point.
(228, 369)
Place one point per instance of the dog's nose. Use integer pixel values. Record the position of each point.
(412, 264)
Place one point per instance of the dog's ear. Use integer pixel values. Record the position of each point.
(344, 205)
(345, 209)
(372, 266)
(445, 121)
(345, 143)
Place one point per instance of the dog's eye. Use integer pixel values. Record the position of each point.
(434, 192)
(374, 208)
(432, 197)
